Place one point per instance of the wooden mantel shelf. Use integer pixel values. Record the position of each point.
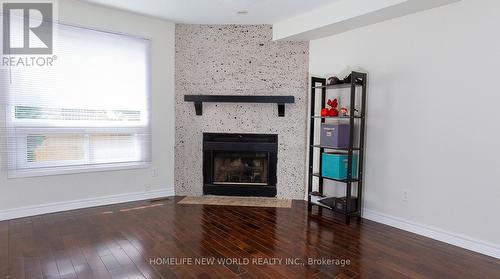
(198, 100)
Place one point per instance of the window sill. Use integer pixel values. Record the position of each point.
(76, 169)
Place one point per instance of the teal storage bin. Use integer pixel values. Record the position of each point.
(334, 165)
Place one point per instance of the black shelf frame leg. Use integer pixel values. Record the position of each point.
(314, 81)
(361, 144)
(350, 151)
(321, 150)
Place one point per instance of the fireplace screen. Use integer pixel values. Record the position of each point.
(240, 168)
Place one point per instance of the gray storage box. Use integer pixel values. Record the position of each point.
(335, 135)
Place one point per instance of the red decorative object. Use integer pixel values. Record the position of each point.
(324, 112)
(332, 112)
(334, 103)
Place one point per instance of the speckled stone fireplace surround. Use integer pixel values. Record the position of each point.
(239, 59)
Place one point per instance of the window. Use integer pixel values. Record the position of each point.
(88, 111)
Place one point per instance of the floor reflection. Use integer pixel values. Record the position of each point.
(244, 231)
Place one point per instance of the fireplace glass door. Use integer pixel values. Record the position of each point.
(231, 167)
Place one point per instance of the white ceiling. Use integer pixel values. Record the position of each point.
(217, 11)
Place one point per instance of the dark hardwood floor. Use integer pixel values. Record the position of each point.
(159, 239)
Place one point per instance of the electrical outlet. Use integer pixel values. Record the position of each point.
(147, 188)
(406, 195)
(155, 172)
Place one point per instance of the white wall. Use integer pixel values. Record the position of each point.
(27, 192)
(433, 106)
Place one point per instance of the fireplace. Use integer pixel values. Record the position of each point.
(239, 164)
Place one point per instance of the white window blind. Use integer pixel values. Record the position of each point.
(88, 111)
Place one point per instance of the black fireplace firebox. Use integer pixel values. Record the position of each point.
(240, 164)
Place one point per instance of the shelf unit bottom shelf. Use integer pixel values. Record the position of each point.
(354, 213)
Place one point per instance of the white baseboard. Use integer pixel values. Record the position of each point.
(434, 233)
(27, 211)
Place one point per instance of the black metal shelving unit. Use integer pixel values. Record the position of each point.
(358, 81)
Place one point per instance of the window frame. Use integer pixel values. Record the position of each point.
(23, 168)
(61, 170)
